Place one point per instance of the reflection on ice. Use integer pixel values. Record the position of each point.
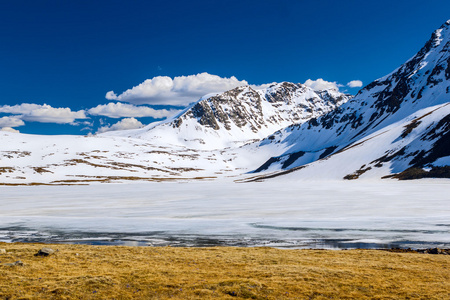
(361, 214)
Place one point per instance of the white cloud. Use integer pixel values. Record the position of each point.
(262, 86)
(320, 84)
(180, 91)
(355, 83)
(124, 124)
(82, 123)
(86, 123)
(11, 122)
(9, 129)
(120, 110)
(43, 113)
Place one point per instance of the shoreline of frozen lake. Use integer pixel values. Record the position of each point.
(296, 214)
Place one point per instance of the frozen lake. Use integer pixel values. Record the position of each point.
(328, 214)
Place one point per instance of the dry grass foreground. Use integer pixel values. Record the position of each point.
(111, 272)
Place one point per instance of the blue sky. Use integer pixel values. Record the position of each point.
(69, 54)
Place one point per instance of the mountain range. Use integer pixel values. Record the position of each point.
(395, 127)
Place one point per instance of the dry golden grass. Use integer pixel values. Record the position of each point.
(111, 272)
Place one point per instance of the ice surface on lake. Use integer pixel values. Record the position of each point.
(302, 214)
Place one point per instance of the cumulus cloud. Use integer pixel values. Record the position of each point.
(124, 124)
(355, 83)
(179, 91)
(9, 129)
(320, 84)
(11, 122)
(43, 113)
(120, 110)
(7, 124)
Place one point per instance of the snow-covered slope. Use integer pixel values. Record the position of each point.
(398, 122)
(37, 159)
(240, 115)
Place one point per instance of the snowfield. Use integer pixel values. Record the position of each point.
(300, 214)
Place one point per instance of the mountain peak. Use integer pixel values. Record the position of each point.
(240, 115)
(441, 34)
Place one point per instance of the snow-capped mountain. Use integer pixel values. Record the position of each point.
(191, 145)
(397, 123)
(398, 126)
(240, 115)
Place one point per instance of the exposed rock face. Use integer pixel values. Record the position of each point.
(226, 109)
(280, 104)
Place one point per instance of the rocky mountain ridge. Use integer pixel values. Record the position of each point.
(241, 115)
(413, 94)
